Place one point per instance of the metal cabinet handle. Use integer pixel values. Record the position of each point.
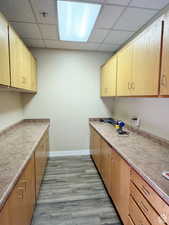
(24, 183)
(20, 193)
(144, 207)
(164, 80)
(129, 85)
(23, 80)
(145, 191)
(133, 85)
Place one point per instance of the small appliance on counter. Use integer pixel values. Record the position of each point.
(118, 124)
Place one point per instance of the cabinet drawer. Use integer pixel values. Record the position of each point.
(130, 222)
(146, 208)
(136, 214)
(158, 204)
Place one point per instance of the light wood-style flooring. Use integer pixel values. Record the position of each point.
(72, 193)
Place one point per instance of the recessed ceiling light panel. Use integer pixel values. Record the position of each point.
(76, 20)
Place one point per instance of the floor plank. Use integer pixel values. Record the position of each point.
(72, 194)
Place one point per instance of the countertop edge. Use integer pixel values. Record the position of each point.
(7, 193)
(149, 181)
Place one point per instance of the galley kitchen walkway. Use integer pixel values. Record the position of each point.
(73, 194)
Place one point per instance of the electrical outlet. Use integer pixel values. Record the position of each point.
(136, 122)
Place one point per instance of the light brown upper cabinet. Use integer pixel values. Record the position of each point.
(108, 78)
(4, 52)
(146, 61)
(139, 64)
(17, 65)
(20, 60)
(33, 74)
(124, 71)
(164, 81)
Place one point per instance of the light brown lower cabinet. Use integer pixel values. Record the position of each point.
(136, 214)
(41, 154)
(115, 173)
(105, 164)
(4, 215)
(20, 204)
(148, 201)
(136, 202)
(130, 222)
(120, 185)
(18, 209)
(95, 148)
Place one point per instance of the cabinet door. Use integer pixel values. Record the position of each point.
(39, 154)
(115, 171)
(4, 52)
(91, 141)
(106, 164)
(124, 71)
(102, 80)
(97, 149)
(22, 199)
(164, 82)
(4, 215)
(146, 61)
(108, 85)
(120, 185)
(26, 68)
(33, 74)
(41, 157)
(28, 182)
(124, 190)
(20, 60)
(16, 60)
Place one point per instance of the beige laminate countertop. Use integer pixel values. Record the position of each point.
(16, 147)
(147, 155)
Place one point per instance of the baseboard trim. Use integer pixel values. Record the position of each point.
(69, 153)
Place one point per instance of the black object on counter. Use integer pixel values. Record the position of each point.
(108, 120)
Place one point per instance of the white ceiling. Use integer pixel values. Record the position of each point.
(117, 22)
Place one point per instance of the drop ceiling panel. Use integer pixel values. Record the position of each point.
(108, 16)
(117, 21)
(108, 47)
(90, 46)
(155, 4)
(52, 44)
(48, 6)
(118, 37)
(118, 2)
(71, 45)
(62, 44)
(49, 31)
(27, 30)
(98, 35)
(17, 10)
(34, 43)
(89, 1)
(134, 18)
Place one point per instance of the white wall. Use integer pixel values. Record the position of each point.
(154, 113)
(11, 109)
(68, 94)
